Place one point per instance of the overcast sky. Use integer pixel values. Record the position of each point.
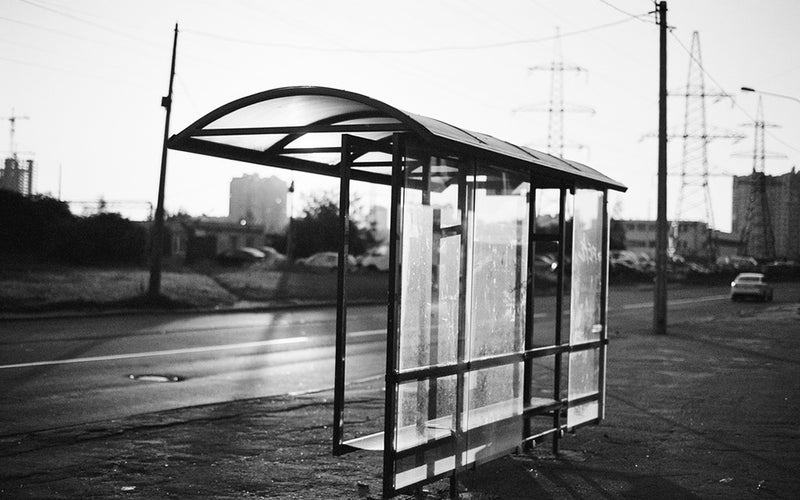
(89, 75)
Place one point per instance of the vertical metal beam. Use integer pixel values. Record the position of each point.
(393, 318)
(519, 312)
(465, 205)
(557, 361)
(433, 357)
(660, 294)
(527, 389)
(603, 306)
(341, 295)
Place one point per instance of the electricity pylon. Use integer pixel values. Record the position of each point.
(557, 107)
(757, 236)
(694, 197)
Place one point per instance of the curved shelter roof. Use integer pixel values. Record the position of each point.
(300, 128)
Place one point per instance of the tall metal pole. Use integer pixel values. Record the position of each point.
(157, 237)
(660, 299)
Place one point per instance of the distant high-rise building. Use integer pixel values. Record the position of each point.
(254, 200)
(378, 220)
(16, 177)
(783, 204)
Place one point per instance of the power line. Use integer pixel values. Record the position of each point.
(90, 23)
(735, 102)
(495, 45)
(639, 17)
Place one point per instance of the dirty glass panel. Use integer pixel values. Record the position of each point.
(499, 264)
(430, 314)
(587, 261)
(415, 309)
(494, 404)
(584, 380)
(425, 414)
(585, 302)
(430, 263)
(497, 293)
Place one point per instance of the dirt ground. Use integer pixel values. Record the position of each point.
(709, 411)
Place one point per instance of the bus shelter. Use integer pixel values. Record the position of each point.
(496, 327)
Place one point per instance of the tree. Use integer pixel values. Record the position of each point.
(318, 229)
(616, 235)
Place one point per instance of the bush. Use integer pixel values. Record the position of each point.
(44, 228)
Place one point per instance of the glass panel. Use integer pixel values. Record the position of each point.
(431, 263)
(587, 261)
(415, 311)
(499, 264)
(253, 142)
(585, 303)
(494, 403)
(545, 267)
(583, 413)
(425, 415)
(299, 110)
(497, 294)
(425, 411)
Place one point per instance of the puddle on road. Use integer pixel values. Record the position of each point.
(149, 377)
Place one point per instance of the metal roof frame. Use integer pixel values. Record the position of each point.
(369, 117)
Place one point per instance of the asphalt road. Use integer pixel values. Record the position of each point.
(60, 372)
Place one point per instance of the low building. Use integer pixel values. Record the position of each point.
(689, 239)
(206, 237)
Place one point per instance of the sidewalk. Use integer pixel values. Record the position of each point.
(709, 411)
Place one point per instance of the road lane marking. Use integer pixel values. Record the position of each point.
(677, 302)
(168, 352)
(367, 333)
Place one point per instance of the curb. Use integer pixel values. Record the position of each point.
(258, 307)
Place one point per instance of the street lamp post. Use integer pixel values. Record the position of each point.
(773, 94)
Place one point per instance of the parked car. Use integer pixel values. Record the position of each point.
(737, 263)
(751, 285)
(273, 257)
(376, 259)
(325, 261)
(238, 256)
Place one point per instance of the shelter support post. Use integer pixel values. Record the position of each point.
(558, 361)
(393, 318)
(603, 306)
(341, 295)
(527, 382)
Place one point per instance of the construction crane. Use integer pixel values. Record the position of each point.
(12, 120)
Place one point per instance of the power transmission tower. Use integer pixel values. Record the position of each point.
(694, 197)
(757, 236)
(557, 107)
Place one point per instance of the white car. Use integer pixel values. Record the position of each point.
(750, 285)
(376, 259)
(325, 261)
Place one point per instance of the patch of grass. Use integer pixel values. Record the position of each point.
(258, 284)
(58, 287)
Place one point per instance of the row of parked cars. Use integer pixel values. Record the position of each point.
(376, 259)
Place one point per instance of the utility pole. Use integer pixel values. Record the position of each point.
(660, 296)
(157, 239)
